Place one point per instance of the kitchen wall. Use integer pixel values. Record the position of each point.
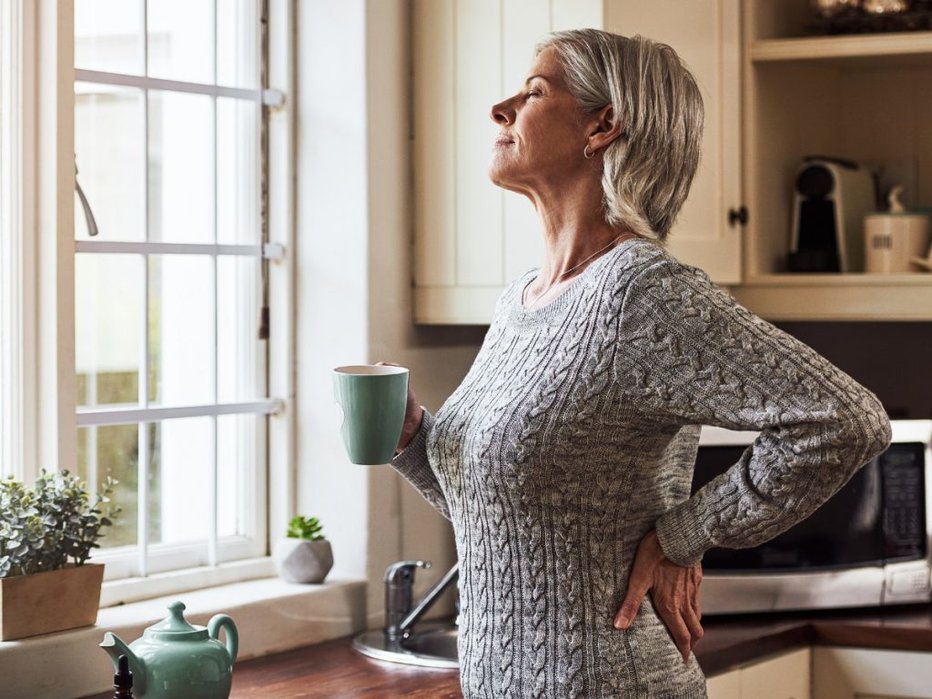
(353, 300)
(894, 360)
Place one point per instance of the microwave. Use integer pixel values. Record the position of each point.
(867, 546)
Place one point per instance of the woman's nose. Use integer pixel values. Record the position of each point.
(502, 113)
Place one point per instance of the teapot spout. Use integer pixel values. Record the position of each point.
(114, 647)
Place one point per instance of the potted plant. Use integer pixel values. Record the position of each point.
(46, 536)
(304, 555)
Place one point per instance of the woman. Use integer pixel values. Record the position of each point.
(564, 459)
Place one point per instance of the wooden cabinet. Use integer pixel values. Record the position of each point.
(705, 33)
(859, 97)
(772, 96)
(472, 238)
(861, 673)
(786, 676)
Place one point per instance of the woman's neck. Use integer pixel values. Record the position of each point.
(574, 229)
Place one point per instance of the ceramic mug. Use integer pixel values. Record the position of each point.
(373, 399)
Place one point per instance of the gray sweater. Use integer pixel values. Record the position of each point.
(575, 432)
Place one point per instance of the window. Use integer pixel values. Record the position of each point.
(171, 276)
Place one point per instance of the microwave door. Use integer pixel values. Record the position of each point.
(846, 532)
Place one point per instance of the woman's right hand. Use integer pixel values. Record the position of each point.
(414, 413)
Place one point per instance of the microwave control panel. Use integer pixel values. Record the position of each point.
(904, 527)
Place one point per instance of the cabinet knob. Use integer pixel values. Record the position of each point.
(738, 216)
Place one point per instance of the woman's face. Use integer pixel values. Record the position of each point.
(542, 131)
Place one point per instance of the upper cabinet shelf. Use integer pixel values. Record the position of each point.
(888, 49)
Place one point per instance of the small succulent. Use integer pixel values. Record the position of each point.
(51, 525)
(307, 528)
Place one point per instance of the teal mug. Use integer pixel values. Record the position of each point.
(373, 399)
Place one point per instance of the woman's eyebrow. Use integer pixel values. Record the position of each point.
(538, 77)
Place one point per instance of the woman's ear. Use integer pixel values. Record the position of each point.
(605, 129)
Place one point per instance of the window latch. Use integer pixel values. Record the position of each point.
(88, 214)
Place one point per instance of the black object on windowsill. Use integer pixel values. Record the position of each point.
(123, 680)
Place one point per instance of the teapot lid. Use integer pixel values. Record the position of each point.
(175, 628)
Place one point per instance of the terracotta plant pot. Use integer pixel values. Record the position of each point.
(45, 602)
(302, 561)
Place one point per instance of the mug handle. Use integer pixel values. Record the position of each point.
(222, 621)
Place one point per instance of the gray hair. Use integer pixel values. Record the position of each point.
(647, 171)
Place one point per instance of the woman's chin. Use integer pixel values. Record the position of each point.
(500, 178)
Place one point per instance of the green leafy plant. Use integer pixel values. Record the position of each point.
(51, 525)
(308, 528)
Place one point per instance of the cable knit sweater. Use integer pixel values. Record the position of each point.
(574, 433)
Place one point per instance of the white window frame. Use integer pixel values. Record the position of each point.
(17, 254)
(50, 393)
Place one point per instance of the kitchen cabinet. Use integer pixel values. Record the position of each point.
(859, 97)
(785, 676)
(705, 34)
(862, 673)
(471, 237)
(772, 97)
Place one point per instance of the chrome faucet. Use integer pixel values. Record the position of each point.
(399, 580)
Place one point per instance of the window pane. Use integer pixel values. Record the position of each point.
(108, 35)
(182, 463)
(238, 43)
(240, 354)
(181, 40)
(181, 167)
(108, 327)
(181, 330)
(109, 142)
(238, 172)
(240, 476)
(113, 451)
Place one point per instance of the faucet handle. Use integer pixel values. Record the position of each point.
(403, 571)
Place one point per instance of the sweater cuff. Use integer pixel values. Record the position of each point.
(681, 535)
(416, 449)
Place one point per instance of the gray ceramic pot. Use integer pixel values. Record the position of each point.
(301, 561)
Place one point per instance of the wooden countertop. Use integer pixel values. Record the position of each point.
(731, 641)
(334, 670)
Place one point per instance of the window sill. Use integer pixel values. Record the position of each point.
(270, 614)
(126, 590)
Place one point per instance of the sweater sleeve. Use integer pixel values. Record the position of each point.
(690, 354)
(412, 463)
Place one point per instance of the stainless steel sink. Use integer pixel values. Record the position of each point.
(434, 645)
(440, 643)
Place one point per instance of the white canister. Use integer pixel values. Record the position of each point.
(895, 240)
(892, 240)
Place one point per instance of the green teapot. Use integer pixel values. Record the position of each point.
(175, 660)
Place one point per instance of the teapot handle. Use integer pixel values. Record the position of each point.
(222, 621)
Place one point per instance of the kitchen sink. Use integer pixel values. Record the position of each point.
(433, 645)
(440, 642)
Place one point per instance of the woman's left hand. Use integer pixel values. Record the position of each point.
(674, 591)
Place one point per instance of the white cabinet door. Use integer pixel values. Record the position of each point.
(784, 677)
(472, 238)
(727, 686)
(849, 673)
(706, 34)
